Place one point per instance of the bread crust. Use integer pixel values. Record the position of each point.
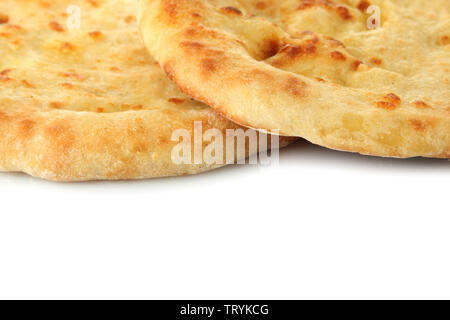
(89, 103)
(312, 68)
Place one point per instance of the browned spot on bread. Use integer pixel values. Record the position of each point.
(270, 48)
(95, 34)
(16, 43)
(196, 15)
(191, 32)
(337, 55)
(306, 4)
(315, 39)
(419, 125)
(27, 84)
(14, 27)
(344, 13)
(421, 105)
(137, 107)
(55, 105)
(168, 69)
(377, 61)
(55, 26)
(443, 40)
(231, 10)
(319, 80)
(66, 47)
(176, 100)
(100, 110)
(356, 64)
(44, 3)
(295, 86)
(310, 48)
(5, 79)
(4, 18)
(389, 102)
(363, 5)
(162, 140)
(72, 75)
(6, 72)
(196, 31)
(3, 116)
(67, 85)
(334, 42)
(209, 65)
(192, 45)
(93, 3)
(170, 8)
(386, 105)
(260, 5)
(292, 51)
(26, 127)
(130, 19)
(393, 98)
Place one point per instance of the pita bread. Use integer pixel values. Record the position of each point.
(88, 103)
(314, 68)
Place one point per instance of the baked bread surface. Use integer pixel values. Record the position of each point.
(88, 103)
(315, 68)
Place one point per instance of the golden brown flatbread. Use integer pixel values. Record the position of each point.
(87, 102)
(323, 70)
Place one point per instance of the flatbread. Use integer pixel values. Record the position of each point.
(88, 103)
(315, 68)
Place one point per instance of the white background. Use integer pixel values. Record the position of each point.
(323, 224)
